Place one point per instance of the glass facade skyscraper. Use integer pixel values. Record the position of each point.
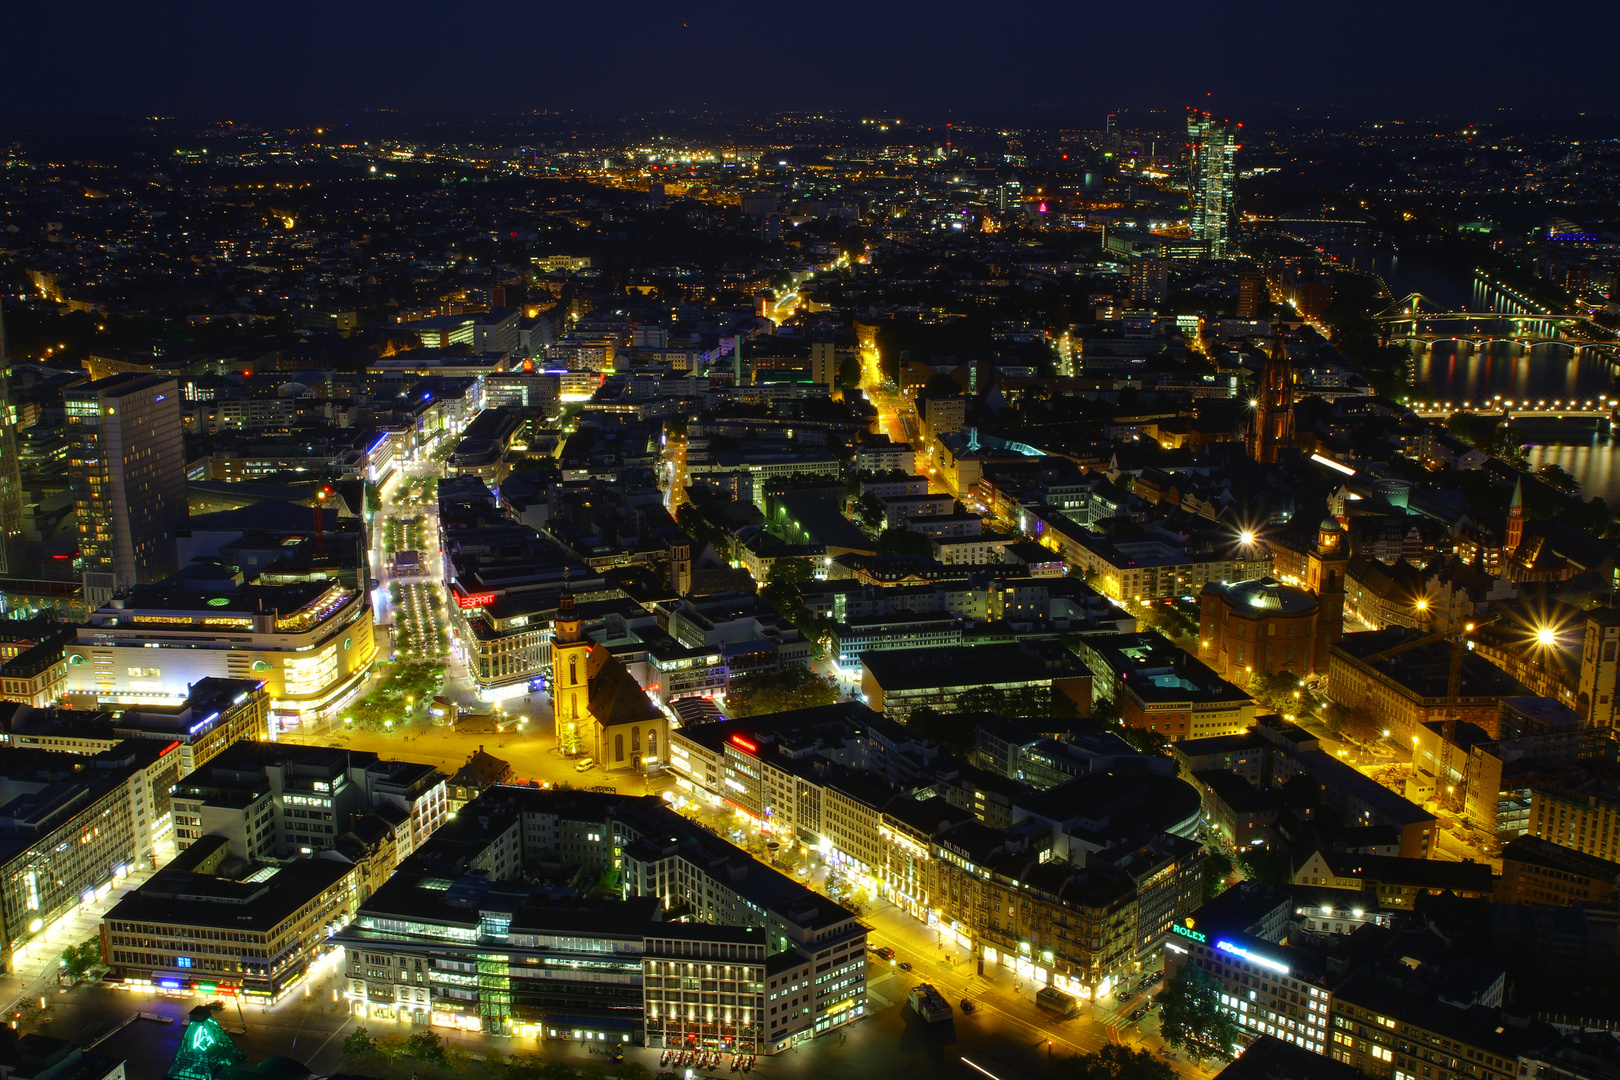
(1211, 198)
(129, 480)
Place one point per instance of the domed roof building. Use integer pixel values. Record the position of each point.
(1265, 627)
(1269, 594)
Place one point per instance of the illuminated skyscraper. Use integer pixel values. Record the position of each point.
(129, 480)
(1212, 148)
(11, 492)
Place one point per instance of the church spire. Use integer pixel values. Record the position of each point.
(1515, 526)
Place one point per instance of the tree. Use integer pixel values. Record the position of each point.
(593, 1071)
(869, 511)
(1113, 1062)
(556, 1070)
(902, 541)
(1358, 725)
(849, 373)
(426, 1046)
(78, 959)
(358, 1043)
(633, 1070)
(1276, 692)
(393, 1045)
(1217, 868)
(1191, 1018)
(1558, 478)
(778, 691)
(954, 732)
(1265, 866)
(789, 571)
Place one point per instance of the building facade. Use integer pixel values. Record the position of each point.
(129, 480)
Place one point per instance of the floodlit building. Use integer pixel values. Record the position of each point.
(129, 480)
(1212, 147)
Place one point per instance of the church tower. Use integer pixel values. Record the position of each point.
(1273, 406)
(570, 679)
(1324, 576)
(1515, 527)
(598, 706)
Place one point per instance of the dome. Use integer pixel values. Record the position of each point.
(1330, 525)
(1269, 594)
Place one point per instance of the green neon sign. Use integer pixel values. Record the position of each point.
(1189, 934)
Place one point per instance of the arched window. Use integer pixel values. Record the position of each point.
(573, 706)
(635, 741)
(652, 746)
(618, 748)
(573, 671)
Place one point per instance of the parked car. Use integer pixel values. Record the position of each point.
(967, 1006)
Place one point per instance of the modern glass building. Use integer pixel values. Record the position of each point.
(1212, 151)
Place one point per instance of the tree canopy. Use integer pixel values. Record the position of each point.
(778, 691)
(1191, 1017)
(1113, 1062)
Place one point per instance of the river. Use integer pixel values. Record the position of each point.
(1460, 372)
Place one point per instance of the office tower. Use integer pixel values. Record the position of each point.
(1273, 406)
(11, 490)
(1251, 292)
(1212, 147)
(1148, 281)
(823, 363)
(129, 480)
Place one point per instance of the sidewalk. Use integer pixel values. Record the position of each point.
(34, 967)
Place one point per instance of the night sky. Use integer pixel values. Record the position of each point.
(1060, 62)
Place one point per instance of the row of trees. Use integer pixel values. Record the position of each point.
(1190, 1019)
(427, 1048)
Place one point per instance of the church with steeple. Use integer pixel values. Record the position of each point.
(599, 709)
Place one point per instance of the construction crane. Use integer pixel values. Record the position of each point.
(1459, 648)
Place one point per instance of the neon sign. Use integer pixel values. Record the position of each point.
(1253, 958)
(751, 747)
(474, 600)
(1191, 935)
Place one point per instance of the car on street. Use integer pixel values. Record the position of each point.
(885, 952)
(967, 1006)
(904, 966)
(1124, 995)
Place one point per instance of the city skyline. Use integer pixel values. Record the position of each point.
(1025, 589)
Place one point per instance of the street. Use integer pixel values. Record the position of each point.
(1004, 1037)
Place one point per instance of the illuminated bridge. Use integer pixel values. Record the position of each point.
(1600, 409)
(1416, 318)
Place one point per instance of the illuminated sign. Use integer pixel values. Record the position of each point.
(1191, 935)
(1253, 958)
(751, 747)
(1334, 465)
(475, 600)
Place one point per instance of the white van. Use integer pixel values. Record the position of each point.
(585, 765)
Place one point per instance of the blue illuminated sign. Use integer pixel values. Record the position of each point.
(1253, 958)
